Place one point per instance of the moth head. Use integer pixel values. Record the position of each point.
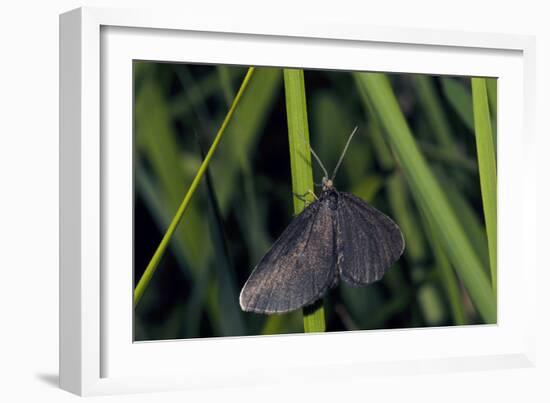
(327, 183)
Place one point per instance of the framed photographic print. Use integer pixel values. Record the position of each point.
(237, 199)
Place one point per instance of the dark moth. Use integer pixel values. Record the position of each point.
(338, 236)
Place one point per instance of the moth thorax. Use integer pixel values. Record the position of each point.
(333, 200)
(327, 183)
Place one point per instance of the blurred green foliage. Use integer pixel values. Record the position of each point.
(245, 201)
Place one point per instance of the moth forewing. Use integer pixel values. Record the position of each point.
(299, 267)
(369, 242)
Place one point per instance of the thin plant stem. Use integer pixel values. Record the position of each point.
(153, 263)
(302, 176)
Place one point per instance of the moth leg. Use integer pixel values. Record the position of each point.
(302, 197)
(313, 194)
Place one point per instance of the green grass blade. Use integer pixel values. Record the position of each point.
(244, 131)
(492, 95)
(183, 105)
(473, 227)
(445, 272)
(198, 105)
(290, 322)
(224, 73)
(487, 168)
(231, 321)
(428, 193)
(332, 122)
(163, 183)
(298, 135)
(235, 180)
(153, 264)
(151, 197)
(300, 164)
(314, 317)
(452, 159)
(368, 187)
(382, 151)
(252, 216)
(406, 218)
(429, 301)
(158, 148)
(460, 99)
(433, 111)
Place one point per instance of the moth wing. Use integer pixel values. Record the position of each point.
(369, 242)
(299, 267)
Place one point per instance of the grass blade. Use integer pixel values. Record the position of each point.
(428, 193)
(251, 217)
(406, 218)
(382, 151)
(300, 164)
(368, 187)
(231, 321)
(445, 272)
(452, 159)
(460, 99)
(433, 111)
(474, 229)
(492, 94)
(151, 267)
(158, 148)
(493, 106)
(244, 131)
(224, 73)
(235, 180)
(487, 168)
(332, 122)
(183, 104)
(151, 196)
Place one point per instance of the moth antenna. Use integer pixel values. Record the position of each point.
(319, 161)
(317, 158)
(343, 153)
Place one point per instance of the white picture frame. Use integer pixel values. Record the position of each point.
(97, 355)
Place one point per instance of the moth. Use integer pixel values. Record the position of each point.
(337, 236)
